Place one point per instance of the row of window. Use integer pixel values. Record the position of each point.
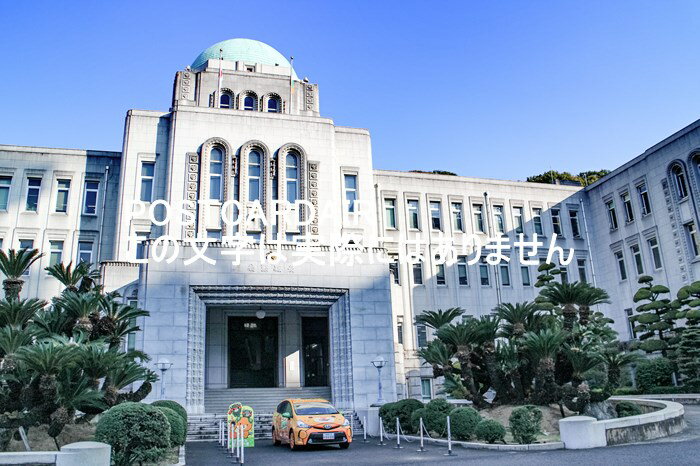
(478, 218)
(83, 254)
(627, 205)
(61, 197)
(638, 262)
(249, 101)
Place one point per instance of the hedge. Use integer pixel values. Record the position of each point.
(403, 409)
(653, 373)
(175, 406)
(627, 408)
(178, 428)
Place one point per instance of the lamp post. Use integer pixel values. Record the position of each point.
(379, 362)
(163, 365)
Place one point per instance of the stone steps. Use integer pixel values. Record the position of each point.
(262, 400)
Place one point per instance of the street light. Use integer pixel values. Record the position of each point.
(163, 365)
(379, 362)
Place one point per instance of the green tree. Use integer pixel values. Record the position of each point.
(655, 316)
(13, 264)
(439, 318)
(543, 347)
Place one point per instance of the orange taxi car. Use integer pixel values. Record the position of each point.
(310, 422)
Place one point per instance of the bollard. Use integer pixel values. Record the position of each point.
(381, 432)
(364, 429)
(449, 439)
(398, 435)
(221, 439)
(240, 436)
(422, 447)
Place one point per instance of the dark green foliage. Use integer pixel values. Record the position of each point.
(463, 422)
(654, 320)
(654, 373)
(178, 427)
(584, 178)
(525, 423)
(490, 431)
(137, 432)
(415, 419)
(403, 409)
(622, 391)
(688, 356)
(627, 408)
(435, 418)
(174, 405)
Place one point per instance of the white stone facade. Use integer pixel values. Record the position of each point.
(173, 156)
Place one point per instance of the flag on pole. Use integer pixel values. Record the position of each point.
(221, 75)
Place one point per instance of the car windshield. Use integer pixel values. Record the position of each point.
(306, 409)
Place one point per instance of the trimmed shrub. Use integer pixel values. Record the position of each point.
(385, 414)
(653, 373)
(415, 418)
(403, 409)
(137, 432)
(626, 391)
(178, 428)
(490, 431)
(175, 406)
(627, 408)
(525, 423)
(463, 422)
(663, 390)
(435, 416)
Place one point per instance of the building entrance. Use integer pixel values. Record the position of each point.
(252, 351)
(314, 336)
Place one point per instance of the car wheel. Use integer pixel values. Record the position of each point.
(344, 445)
(291, 440)
(275, 441)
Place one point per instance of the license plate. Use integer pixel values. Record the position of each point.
(328, 436)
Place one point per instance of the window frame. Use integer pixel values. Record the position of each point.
(349, 204)
(537, 221)
(417, 273)
(217, 176)
(637, 258)
(457, 214)
(81, 251)
(32, 188)
(644, 199)
(87, 190)
(410, 214)
(435, 210)
(627, 206)
(259, 178)
(655, 253)
(582, 269)
(518, 219)
(440, 275)
(499, 219)
(462, 265)
(6, 187)
(691, 230)
(556, 224)
(575, 223)
(52, 251)
(150, 179)
(525, 271)
(478, 218)
(390, 213)
(612, 215)
(680, 182)
(621, 266)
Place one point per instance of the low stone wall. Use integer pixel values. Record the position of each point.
(661, 419)
(73, 454)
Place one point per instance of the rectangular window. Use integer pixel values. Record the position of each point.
(627, 204)
(418, 273)
(525, 275)
(33, 190)
(499, 219)
(422, 336)
(92, 189)
(518, 219)
(693, 238)
(147, 174)
(214, 234)
(637, 256)
(440, 274)
(350, 192)
(655, 251)
(573, 218)
(26, 244)
(216, 171)
(462, 270)
(484, 272)
(630, 324)
(140, 246)
(620, 258)
(5, 182)
(564, 275)
(581, 265)
(505, 274)
(478, 210)
(394, 271)
(426, 391)
(85, 252)
(612, 216)
(556, 221)
(131, 338)
(644, 200)
(435, 219)
(390, 213)
(413, 214)
(457, 223)
(62, 192)
(56, 252)
(537, 221)
(399, 332)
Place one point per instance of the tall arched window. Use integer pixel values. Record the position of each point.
(249, 103)
(292, 177)
(273, 105)
(226, 100)
(679, 181)
(216, 165)
(254, 176)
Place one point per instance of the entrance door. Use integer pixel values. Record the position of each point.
(252, 352)
(314, 336)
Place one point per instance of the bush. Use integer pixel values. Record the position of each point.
(654, 373)
(463, 421)
(175, 406)
(434, 416)
(663, 390)
(415, 418)
(490, 431)
(626, 391)
(525, 423)
(178, 428)
(403, 409)
(137, 432)
(627, 408)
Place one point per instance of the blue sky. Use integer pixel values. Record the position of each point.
(490, 89)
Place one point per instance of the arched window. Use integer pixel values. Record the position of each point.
(254, 176)
(292, 176)
(226, 100)
(216, 165)
(273, 105)
(679, 181)
(249, 103)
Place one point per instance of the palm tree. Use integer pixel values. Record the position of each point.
(565, 295)
(13, 265)
(486, 331)
(17, 313)
(590, 296)
(581, 361)
(438, 356)
(436, 319)
(84, 308)
(462, 339)
(517, 318)
(118, 320)
(614, 361)
(80, 278)
(543, 347)
(508, 355)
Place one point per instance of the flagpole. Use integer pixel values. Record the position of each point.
(291, 82)
(218, 89)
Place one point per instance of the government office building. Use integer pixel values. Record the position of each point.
(243, 126)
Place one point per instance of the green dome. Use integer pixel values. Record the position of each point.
(245, 50)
